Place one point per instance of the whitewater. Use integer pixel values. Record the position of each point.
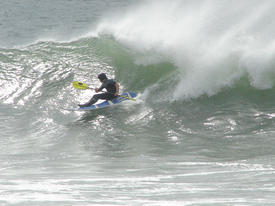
(200, 133)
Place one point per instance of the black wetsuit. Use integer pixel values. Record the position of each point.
(110, 86)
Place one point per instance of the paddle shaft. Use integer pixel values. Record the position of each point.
(118, 95)
(83, 86)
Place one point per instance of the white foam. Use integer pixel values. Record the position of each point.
(212, 43)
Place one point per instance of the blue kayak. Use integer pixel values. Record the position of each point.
(122, 97)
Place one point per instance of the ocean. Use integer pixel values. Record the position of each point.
(202, 131)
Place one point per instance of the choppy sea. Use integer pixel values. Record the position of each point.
(202, 131)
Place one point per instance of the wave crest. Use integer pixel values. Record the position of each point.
(213, 44)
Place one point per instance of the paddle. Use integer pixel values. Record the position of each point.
(83, 86)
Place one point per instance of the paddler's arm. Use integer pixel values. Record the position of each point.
(100, 88)
(117, 89)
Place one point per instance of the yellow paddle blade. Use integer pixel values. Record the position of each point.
(80, 85)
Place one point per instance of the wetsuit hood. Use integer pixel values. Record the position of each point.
(102, 76)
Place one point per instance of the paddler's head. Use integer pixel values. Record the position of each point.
(102, 77)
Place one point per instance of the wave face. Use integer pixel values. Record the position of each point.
(213, 44)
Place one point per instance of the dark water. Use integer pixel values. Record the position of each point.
(200, 133)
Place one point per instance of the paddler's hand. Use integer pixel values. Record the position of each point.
(96, 90)
(116, 94)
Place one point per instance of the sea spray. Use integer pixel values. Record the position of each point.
(213, 44)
